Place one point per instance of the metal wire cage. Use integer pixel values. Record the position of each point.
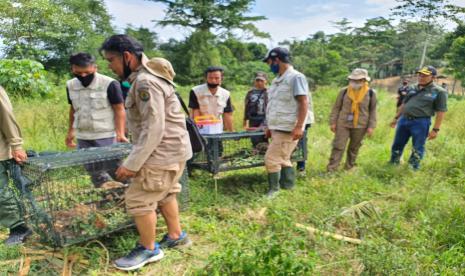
(238, 150)
(71, 197)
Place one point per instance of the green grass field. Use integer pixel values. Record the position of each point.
(411, 223)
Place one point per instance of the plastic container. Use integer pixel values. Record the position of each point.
(209, 124)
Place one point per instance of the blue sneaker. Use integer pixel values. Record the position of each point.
(138, 257)
(182, 242)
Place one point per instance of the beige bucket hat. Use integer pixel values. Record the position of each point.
(359, 74)
(162, 68)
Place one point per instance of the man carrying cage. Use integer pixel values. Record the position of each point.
(96, 115)
(11, 152)
(161, 147)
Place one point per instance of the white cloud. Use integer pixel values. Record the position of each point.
(142, 13)
(297, 21)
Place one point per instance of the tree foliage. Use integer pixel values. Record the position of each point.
(25, 78)
(456, 60)
(223, 16)
(50, 30)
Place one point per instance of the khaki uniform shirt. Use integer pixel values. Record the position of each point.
(156, 122)
(342, 111)
(10, 134)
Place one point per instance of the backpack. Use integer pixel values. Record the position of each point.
(252, 108)
(197, 141)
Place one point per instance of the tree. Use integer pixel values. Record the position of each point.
(342, 25)
(50, 30)
(224, 16)
(430, 12)
(456, 62)
(147, 38)
(215, 25)
(316, 60)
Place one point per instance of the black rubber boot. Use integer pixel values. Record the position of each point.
(287, 180)
(273, 182)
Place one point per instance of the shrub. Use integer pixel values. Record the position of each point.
(26, 78)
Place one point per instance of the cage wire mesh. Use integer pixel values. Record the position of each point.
(238, 150)
(71, 197)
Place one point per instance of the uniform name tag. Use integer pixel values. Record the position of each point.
(350, 117)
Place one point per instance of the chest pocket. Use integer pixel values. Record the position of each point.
(98, 100)
(131, 108)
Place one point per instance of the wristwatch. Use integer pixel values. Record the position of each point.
(436, 130)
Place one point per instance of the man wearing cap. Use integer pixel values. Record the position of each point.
(255, 106)
(96, 115)
(413, 119)
(212, 99)
(160, 150)
(402, 93)
(286, 116)
(11, 152)
(352, 117)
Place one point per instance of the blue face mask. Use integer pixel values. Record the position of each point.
(274, 68)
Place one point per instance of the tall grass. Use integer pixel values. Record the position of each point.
(419, 227)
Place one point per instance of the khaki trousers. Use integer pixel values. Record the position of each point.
(279, 151)
(153, 186)
(343, 134)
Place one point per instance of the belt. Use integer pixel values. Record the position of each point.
(411, 118)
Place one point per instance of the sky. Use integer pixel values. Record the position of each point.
(286, 19)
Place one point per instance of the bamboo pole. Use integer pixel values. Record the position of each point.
(329, 234)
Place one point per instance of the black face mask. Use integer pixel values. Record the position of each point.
(212, 85)
(126, 69)
(87, 80)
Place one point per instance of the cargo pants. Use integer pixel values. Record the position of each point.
(344, 134)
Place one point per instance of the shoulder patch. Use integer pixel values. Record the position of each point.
(144, 95)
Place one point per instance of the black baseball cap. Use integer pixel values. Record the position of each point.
(278, 52)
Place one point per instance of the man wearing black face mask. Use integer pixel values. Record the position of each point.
(96, 116)
(211, 99)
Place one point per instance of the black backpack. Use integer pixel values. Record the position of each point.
(197, 141)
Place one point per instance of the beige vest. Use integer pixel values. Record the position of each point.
(93, 113)
(282, 108)
(210, 104)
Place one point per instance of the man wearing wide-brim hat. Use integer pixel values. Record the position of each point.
(423, 101)
(353, 116)
(161, 147)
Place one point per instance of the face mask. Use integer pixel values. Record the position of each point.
(126, 69)
(274, 68)
(213, 85)
(85, 81)
(355, 85)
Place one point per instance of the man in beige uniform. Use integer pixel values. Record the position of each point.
(161, 148)
(10, 152)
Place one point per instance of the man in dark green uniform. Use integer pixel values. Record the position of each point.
(413, 119)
